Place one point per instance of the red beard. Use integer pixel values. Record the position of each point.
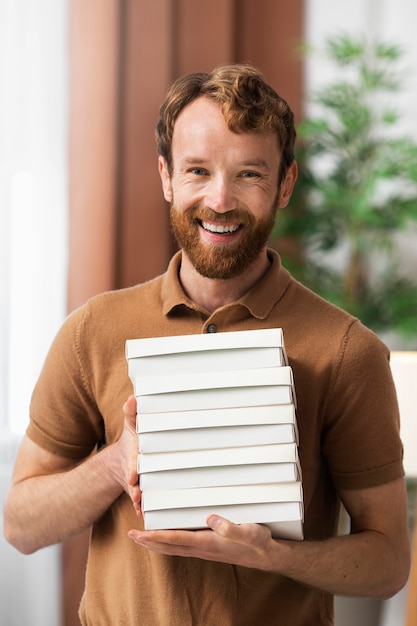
(221, 261)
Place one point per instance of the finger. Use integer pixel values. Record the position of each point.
(178, 543)
(129, 410)
(222, 526)
(178, 538)
(136, 495)
(238, 533)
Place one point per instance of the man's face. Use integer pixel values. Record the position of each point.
(223, 190)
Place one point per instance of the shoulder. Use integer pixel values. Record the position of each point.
(128, 298)
(327, 343)
(113, 308)
(310, 315)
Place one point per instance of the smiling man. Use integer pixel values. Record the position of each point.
(225, 143)
(224, 193)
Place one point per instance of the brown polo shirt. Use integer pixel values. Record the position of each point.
(349, 438)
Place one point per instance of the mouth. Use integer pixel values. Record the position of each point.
(221, 229)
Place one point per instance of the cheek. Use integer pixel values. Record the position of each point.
(186, 197)
(263, 207)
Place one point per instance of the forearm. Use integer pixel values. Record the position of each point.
(362, 564)
(373, 561)
(46, 509)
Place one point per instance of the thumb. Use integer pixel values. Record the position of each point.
(129, 410)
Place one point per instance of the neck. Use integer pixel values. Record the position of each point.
(213, 293)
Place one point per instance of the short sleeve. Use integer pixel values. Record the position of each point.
(362, 437)
(64, 417)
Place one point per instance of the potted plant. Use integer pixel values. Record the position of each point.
(357, 191)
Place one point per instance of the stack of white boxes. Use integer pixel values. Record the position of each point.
(216, 421)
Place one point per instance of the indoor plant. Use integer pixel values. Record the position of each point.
(357, 190)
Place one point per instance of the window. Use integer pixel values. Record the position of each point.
(33, 195)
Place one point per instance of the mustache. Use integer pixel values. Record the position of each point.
(234, 216)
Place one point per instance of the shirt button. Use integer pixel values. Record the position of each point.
(212, 328)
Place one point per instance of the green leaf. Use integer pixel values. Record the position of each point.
(357, 187)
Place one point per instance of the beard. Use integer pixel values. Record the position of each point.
(221, 261)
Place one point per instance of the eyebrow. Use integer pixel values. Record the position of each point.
(256, 163)
(261, 163)
(192, 160)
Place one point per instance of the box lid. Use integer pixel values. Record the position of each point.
(270, 453)
(211, 496)
(205, 418)
(149, 385)
(148, 346)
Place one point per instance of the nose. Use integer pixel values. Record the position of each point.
(221, 196)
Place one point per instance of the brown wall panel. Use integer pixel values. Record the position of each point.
(163, 39)
(144, 239)
(204, 35)
(93, 65)
(269, 34)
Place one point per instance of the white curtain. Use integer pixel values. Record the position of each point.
(33, 233)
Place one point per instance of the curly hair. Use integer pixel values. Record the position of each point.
(248, 104)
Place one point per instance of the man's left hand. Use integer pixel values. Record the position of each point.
(248, 545)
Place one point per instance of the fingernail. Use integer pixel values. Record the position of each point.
(212, 521)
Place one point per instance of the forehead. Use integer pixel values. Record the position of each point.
(201, 127)
(201, 112)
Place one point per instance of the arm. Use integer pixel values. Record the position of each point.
(52, 498)
(372, 561)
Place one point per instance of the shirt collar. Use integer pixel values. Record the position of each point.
(259, 300)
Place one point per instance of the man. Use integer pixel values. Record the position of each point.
(225, 143)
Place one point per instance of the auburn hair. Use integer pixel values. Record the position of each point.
(248, 104)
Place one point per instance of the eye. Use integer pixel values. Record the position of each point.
(250, 174)
(198, 171)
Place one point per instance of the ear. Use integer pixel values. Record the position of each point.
(165, 179)
(287, 185)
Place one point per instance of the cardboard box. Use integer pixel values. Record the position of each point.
(205, 418)
(285, 519)
(215, 476)
(156, 499)
(277, 453)
(214, 390)
(221, 379)
(217, 437)
(185, 353)
(217, 430)
(208, 361)
(215, 399)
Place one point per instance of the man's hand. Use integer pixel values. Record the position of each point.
(373, 561)
(127, 452)
(52, 484)
(248, 545)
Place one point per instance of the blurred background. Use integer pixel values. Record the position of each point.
(81, 209)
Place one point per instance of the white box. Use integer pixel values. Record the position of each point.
(208, 352)
(208, 361)
(278, 453)
(214, 390)
(217, 437)
(222, 379)
(217, 428)
(157, 499)
(289, 514)
(214, 476)
(232, 416)
(215, 399)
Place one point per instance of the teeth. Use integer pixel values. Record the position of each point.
(220, 228)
